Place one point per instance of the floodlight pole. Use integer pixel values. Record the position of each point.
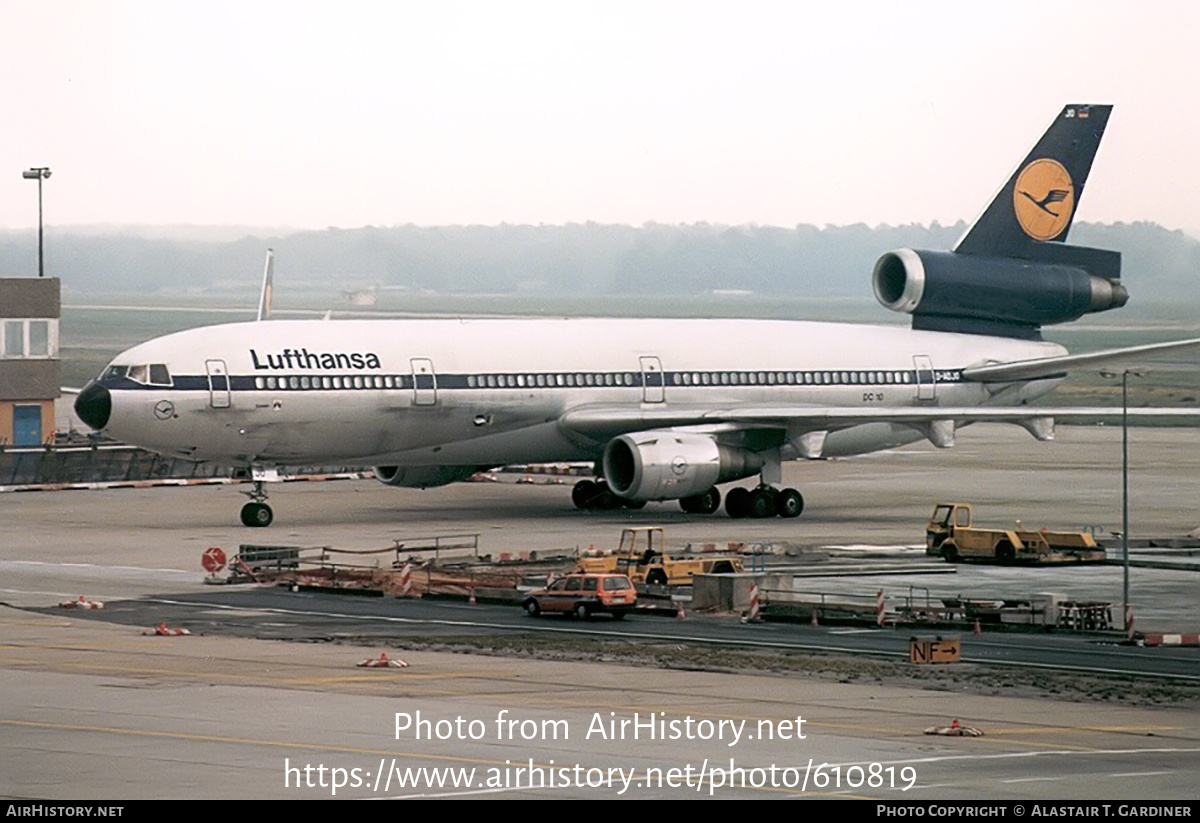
(1125, 373)
(39, 174)
(1125, 499)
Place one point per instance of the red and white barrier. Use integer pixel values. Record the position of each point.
(383, 662)
(955, 730)
(162, 630)
(1159, 639)
(879, 608)
(81, 603)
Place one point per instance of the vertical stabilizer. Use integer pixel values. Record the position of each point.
(1038, 202)
(268, 284)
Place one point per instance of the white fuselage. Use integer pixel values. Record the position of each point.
(484, 392)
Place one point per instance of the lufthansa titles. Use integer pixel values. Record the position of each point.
(302, 358)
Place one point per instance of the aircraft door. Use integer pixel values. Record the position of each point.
(218, 384)
(424, 381)
(926, 387)
(653, 385)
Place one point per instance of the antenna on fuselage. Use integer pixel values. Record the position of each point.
(264, 298)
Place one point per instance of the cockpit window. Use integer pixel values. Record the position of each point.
(114, 372)
(154, 374)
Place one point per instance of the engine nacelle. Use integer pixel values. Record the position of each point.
(945, 291)
(664, 465)
(422, 477)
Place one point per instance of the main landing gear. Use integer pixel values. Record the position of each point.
(765, 501)
(256, 513)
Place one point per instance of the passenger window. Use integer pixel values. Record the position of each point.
(589, 584)
(573, 584)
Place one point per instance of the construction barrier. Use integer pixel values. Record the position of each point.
(1160, 639)
(955, 729)
(81, 603)
(382, 662)
(162, 630)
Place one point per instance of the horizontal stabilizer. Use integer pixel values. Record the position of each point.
(1044, 367)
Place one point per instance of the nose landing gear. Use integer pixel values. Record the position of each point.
(256, 513)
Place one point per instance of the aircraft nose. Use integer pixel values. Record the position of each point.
(94, 405)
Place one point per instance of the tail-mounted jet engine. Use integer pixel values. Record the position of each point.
(664, 465)
(1010, 297)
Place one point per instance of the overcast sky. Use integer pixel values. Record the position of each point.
(315, 114)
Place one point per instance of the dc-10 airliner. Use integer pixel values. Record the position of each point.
(664, 409)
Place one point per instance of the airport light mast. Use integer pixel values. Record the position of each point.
(1124, 375)
(39, 174)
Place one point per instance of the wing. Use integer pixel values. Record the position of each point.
(609, 421)
(805, 426)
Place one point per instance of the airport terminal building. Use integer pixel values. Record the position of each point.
(29, 363)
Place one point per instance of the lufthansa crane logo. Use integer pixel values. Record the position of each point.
(1044, 199)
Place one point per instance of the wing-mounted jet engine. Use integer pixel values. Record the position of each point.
(422, 477)
(688, 467)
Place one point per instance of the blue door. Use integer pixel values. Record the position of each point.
(27, 425)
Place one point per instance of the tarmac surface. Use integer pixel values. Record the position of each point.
(97, 710)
